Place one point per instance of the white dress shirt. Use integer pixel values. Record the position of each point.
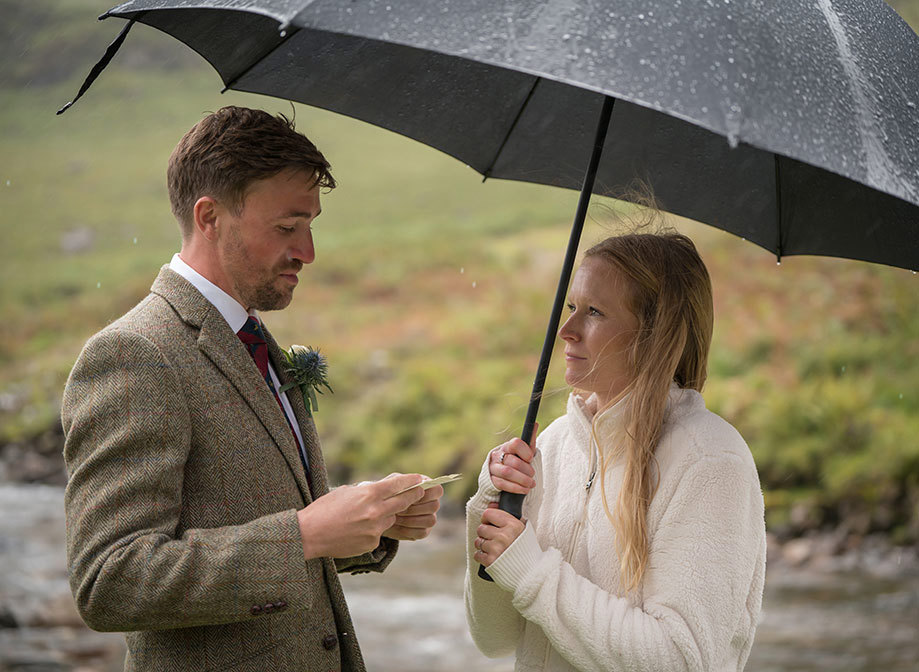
(236, 316)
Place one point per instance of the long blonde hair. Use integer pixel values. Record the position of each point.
(670, 293)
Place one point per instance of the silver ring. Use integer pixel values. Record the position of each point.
(503, 455)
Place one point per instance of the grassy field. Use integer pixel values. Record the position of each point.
(430, 290)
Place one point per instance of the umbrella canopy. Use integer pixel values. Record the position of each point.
(791, 123)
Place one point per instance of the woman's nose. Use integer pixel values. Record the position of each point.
(567, 332)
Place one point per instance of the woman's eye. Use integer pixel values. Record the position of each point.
(570, 307)
(594, 311)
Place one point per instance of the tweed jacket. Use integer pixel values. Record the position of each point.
(184, 483)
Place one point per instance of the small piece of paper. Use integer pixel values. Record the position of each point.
(430, 483)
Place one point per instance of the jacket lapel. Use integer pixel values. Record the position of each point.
(220, 345)
(318, 472)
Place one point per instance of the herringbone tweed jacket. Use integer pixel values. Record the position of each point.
(184, 482)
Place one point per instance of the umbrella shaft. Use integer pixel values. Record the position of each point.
(512, 502)
(570, 254)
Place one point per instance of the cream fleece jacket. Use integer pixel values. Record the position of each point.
(556, 598)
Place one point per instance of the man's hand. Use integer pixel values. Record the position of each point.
(351, 519)
(418, 519)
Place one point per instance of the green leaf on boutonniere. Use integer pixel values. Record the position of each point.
(307, 370)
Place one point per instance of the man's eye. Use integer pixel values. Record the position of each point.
(286, 229)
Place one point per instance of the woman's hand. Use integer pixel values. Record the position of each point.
(510, 468)
(498, 530)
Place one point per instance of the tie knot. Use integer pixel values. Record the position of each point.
(251, 331)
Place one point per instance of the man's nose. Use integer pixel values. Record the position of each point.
(303, 249)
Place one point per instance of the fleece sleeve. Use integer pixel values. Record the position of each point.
(127, 441)
(702, 562)
(494, 623)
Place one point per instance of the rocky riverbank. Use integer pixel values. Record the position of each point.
(834, 619)
(39, 462)
(41, 631)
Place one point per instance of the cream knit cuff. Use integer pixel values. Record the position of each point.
(517, 561)
(487, 491)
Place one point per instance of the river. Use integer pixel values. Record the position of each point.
(411, 618)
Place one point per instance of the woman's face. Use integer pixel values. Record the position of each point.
(599, 330)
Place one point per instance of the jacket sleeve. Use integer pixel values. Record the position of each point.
(375, 561)
(128, 432)
(704, 557)
(494, 623)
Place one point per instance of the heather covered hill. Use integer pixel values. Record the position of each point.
(430, 291)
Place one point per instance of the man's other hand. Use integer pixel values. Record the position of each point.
(350, 520)
(416, 521)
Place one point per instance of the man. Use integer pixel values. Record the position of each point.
(199, 516)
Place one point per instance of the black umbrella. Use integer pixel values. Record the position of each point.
(792, 123)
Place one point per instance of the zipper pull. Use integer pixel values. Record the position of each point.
(590, 482)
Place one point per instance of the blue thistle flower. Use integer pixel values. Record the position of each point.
(308, 369)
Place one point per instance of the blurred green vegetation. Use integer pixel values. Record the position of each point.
(431, 290)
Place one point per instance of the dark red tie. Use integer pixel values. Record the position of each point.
(252, 337)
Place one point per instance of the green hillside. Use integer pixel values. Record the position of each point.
(430, 291)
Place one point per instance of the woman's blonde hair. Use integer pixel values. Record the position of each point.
(670, 293)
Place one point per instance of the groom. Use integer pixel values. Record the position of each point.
(199, 516)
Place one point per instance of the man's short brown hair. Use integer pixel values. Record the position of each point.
(228, 150)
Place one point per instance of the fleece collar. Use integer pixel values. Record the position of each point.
(679, 402)
(582, 418)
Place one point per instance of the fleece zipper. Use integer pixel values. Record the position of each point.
(592, 465)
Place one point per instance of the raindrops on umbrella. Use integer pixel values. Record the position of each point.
(830, 169)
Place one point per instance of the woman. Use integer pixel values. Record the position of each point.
(663, 568)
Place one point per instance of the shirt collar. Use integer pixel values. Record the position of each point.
(231, 310)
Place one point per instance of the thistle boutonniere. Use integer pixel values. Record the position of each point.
(307, 369)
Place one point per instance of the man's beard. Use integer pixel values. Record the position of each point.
(264, 296)
(268, 297)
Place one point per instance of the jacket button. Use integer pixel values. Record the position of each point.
(256, 610)
(329, 642)
(280, 605)
(268, 608)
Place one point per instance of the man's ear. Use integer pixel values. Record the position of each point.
(206, 215)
